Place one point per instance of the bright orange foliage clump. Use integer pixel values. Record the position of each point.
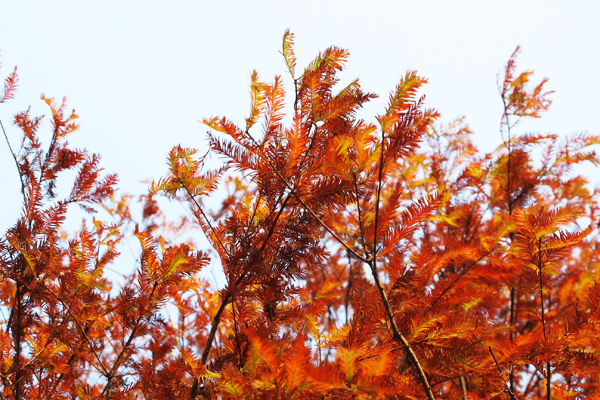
(363, 260)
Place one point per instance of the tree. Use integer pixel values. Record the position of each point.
(362, 260)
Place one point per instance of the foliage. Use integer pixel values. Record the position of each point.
(362, 260)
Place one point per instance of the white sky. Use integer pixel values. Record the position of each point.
(140, 74)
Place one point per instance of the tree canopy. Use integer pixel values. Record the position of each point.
(382, 259)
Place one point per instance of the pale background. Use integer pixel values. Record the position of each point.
(140, 74)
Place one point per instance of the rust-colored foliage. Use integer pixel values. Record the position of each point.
(362, 260)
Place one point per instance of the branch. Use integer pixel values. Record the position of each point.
(237, 337)
(316, 217)
(112, 371)
(379, 187)
(18, 343)
(464, 271)
(85, 336)
(226, 299)
(204, 216)
(16, 162)
(33, 358)
(213, 328)
(540, 266)
(398, 337)
(507, 390)
(360, 220)
(306, 207)
(8, 381)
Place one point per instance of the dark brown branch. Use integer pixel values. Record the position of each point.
(463, 272)
(360, 220)
(85, 336)
(16, 161)
(115, 366)
(204, 216)
(227, 297)
(316, 217)
(398, 337)
(540, 271)
(508, 389)
(17, 335)
(379, 187)
(348, 285)
(237, 336)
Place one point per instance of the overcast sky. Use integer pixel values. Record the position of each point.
(140, 74)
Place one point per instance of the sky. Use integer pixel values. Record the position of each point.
(140, 74)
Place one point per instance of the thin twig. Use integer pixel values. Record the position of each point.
(378, 197)
(227, 297)
(237, 337)
(14, 158)
(115, 366)
(548, 372)
(463, 272)
(398, 337)
(510, 209)
(360, 220)
(204, 216)
(349, 285)
(17, 336)
(508, 389)
(316, 217)
(85, 336)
